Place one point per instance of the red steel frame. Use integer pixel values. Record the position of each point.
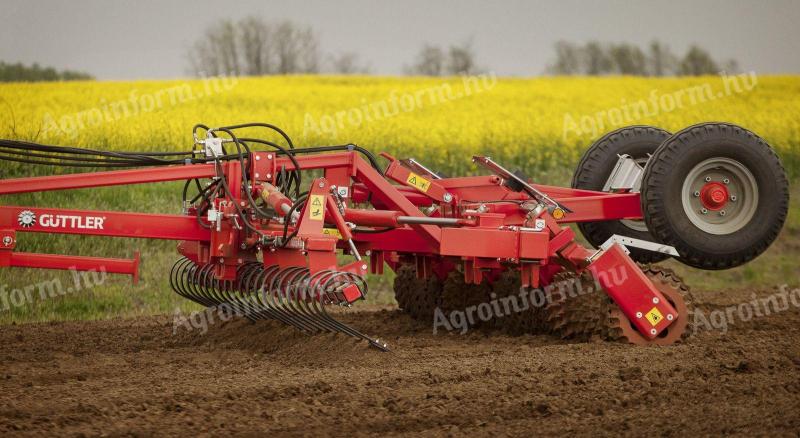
(493, 235)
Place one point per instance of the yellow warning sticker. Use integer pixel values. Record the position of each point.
(419, 182)
(316, 207)
(332, 232)
(654, 316)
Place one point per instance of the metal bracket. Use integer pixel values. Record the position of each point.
(627, 175)
(420, 168)
(213, 147)
(639, 243)
(488, 163)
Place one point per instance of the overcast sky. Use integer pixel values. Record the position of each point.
(148, 38)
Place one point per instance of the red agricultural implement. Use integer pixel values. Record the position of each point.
(285, 232)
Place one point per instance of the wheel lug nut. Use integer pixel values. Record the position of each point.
(696, 194)
(726, 181)
(703, 210)
(708, 179)
(722, 213)
(733, 198)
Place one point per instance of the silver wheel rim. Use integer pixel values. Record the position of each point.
(709, 213)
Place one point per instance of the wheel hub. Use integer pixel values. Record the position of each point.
(714, 196)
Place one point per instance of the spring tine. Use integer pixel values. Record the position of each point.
(205, 284)
(176, 275)
(245, 304)
(315, 301)
(333, 278)
(296, 291)
(182, 283)
(264, 295)
(256, 282)
(271, 292)
(251, 307)
(289, 281)
(291, 295)
(304, 293)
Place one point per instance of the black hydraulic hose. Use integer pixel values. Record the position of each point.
(264, 125)
(284, 151)
(373, 161)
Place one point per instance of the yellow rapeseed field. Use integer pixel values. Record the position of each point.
(541, 124)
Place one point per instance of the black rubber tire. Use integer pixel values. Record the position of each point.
(594, 169)
(662, 186)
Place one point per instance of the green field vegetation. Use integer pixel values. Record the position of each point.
(524, 123)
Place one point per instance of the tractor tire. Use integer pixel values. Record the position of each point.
(716, 192)
(594, 169)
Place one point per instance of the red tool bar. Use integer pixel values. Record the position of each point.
(602, 207)
(392, 198)
(361, 194)
(372, 218)
(76, 263)
(101, 179)
(317, 161)
(102, 223)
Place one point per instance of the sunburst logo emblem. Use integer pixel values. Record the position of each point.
(27, 219)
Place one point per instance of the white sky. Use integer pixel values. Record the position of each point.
(147, 39)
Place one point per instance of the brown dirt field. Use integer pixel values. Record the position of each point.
(133, 377)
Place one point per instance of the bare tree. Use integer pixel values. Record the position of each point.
(661, 59)
(731, 67)
(596, 59)
(698, 62)
(310, 57)
(628, 59)
(430, 61)
(461, 59)
(568, 59)
(215, 53)
(252, 46)
(347, 63)
(254, 39)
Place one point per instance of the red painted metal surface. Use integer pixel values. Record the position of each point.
(104, 223)
(714, 195)
(105, 179)
(633, 292)
(76, 263)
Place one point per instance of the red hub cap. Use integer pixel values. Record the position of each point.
(714, 195)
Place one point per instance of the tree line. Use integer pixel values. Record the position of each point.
(595, 59)
(253, 46)
(35, 73)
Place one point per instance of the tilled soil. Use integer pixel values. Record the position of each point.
(134, 377)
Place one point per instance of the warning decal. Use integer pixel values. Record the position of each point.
(654, 316)
(332, 232)
(419, 182)
(316, 208)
